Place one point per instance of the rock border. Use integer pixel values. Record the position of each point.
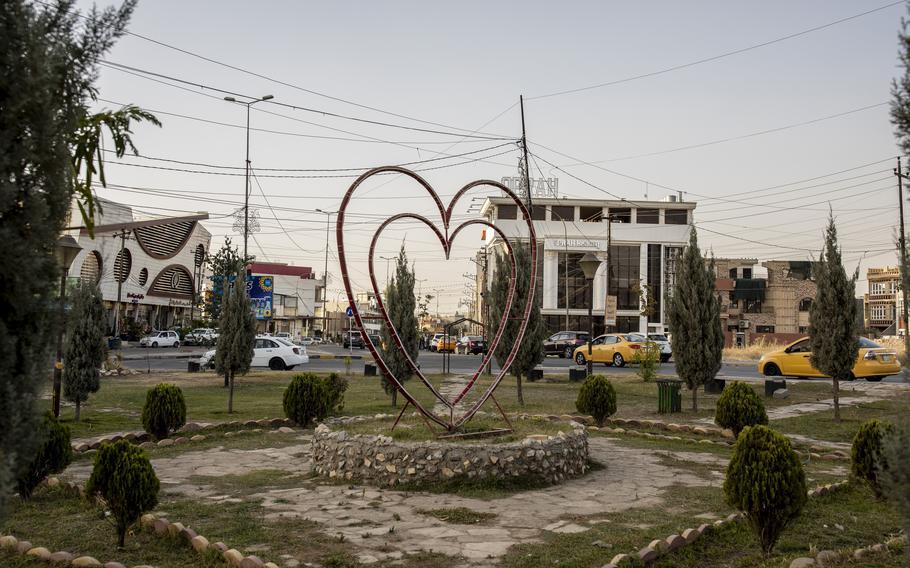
(148, 522)
(659, 547)
(836, 558)
(145, 440)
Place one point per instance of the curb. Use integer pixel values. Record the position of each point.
(330, 356)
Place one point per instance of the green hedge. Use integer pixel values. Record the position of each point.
(866, 454)
(765, 480)
(597, 397)
(307, 398)
(164, 410)
(52, 456)
(739, 406)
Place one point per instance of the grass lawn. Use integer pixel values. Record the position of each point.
(60, 522)
(821, 425)
(117, 406)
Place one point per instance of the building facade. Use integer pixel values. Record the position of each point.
(152, 269)
(638, 245)
(294, 298)
(768, 299)
(883, 303)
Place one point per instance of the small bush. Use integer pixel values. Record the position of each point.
(739, 406)
(765, 480)
(597, 398)
(52, 456)
(648, 360)
(866, 460)
(124, 478)
(164, 410)
(307, 398)
(336, 385)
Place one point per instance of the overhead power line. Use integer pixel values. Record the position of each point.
(120, 66)
(718, 56)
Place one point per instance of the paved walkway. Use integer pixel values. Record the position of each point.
(365, 516)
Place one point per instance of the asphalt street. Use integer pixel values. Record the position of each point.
(331, 358)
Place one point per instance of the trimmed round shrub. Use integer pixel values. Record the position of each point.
(307, 398)
(765, 480)
(164, 410)
(866, 459)
(739, 406)
(52, 456)
(124, 478)
(336, 385)
(597, 398)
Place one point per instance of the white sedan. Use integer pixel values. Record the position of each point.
(273, 352)
(160, 339)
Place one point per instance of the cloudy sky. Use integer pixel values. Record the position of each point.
(629, 98)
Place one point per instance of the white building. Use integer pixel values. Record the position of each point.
(157, 265)
(294, 298)
(646, 239)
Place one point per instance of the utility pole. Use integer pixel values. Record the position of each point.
(121, 276)
(902, 242)
(524, 148)
(607, 280)
(246, 186)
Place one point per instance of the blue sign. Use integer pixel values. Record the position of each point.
(259, 289)
(350, 312)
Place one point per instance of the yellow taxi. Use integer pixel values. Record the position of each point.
(446, 344)
(613, 349)
(873, 363)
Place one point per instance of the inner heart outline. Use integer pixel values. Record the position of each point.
(446, 241)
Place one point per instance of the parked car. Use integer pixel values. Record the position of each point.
(306, 340)
(161, 339)
(666, 351)
(434, 342)
(445, 344)
(201, 336)
(283, 335)
(273, 352)
(352, 339)
(473, 344)
(564, 343)
(613, 349)
(873, 363)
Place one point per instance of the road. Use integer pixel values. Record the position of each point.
(329, 358)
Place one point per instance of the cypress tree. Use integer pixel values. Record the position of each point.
(234, 351)
(832, 317)
(694, 317)
(530, 354)
(223, 264)
(85, 349)
(49, 57)
(401, 305)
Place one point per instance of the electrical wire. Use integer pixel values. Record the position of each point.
(715, 57)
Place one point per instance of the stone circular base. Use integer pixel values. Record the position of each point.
(380, 460)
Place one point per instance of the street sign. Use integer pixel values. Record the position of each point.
(350, 312)
(610, 310)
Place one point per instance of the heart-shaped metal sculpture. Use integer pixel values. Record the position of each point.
(446, 238)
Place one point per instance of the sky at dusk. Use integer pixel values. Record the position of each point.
(764, 140)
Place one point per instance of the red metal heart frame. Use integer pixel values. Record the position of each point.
(445, 240)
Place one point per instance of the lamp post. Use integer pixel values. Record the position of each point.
(387, 259)
(325, 273)
(66, 251)
(246, 187)
(589, 264)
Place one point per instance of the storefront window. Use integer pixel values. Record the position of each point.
(572, 282)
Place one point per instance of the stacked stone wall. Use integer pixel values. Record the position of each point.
(380, 460)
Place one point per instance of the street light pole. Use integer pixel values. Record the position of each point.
(66, 252)
(246, 185)
(589, 265)
(325, 274)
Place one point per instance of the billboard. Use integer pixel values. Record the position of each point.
(259, 289)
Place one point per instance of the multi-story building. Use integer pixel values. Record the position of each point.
(883, 303)
(293, 298)
(769, 299)
(152, 269)
(644, 240)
